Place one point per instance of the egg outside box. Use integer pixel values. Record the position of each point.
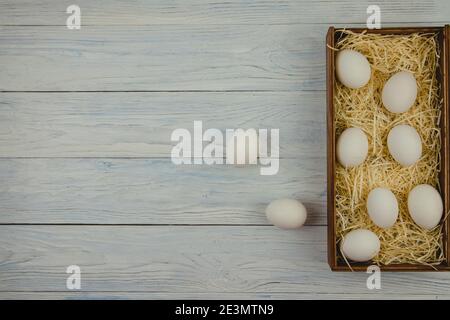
(335, 259)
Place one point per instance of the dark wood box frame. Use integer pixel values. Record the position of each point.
(334, 256)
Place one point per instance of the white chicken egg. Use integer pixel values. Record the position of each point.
(352, 147)
(404, 144)
(360, 245)
(286, 213)
(382, 207)
(425, 206)
(399, 92)
(352, 69)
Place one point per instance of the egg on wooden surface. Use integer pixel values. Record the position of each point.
(400, 92)
(404, 144)
(286, 213)
(425, 206)
(352, 147)
(352, 69)
(382, 207)
(360, 245)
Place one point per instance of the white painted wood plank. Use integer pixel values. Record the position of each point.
(189, 260)
(140, 124)
(105, 191)
(124, 295)
(116, 12)
(181, 57)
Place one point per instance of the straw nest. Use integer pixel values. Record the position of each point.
(405, 242)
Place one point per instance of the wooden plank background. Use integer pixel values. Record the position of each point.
(85, 170)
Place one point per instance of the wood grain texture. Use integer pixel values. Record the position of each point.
(206, 12)
(189, 260)
(100, 158)
(169, 58)
(140, 124)
(121, 295)
(153, 191)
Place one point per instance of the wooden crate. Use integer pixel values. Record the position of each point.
(334, 255)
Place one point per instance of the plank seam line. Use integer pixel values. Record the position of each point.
(160, 91)
(227, 24)
(148, 224)
(129, 158)
(222, 292)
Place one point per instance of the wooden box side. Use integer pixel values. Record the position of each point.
(331, 234)
(445, 87)
(443, 75)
